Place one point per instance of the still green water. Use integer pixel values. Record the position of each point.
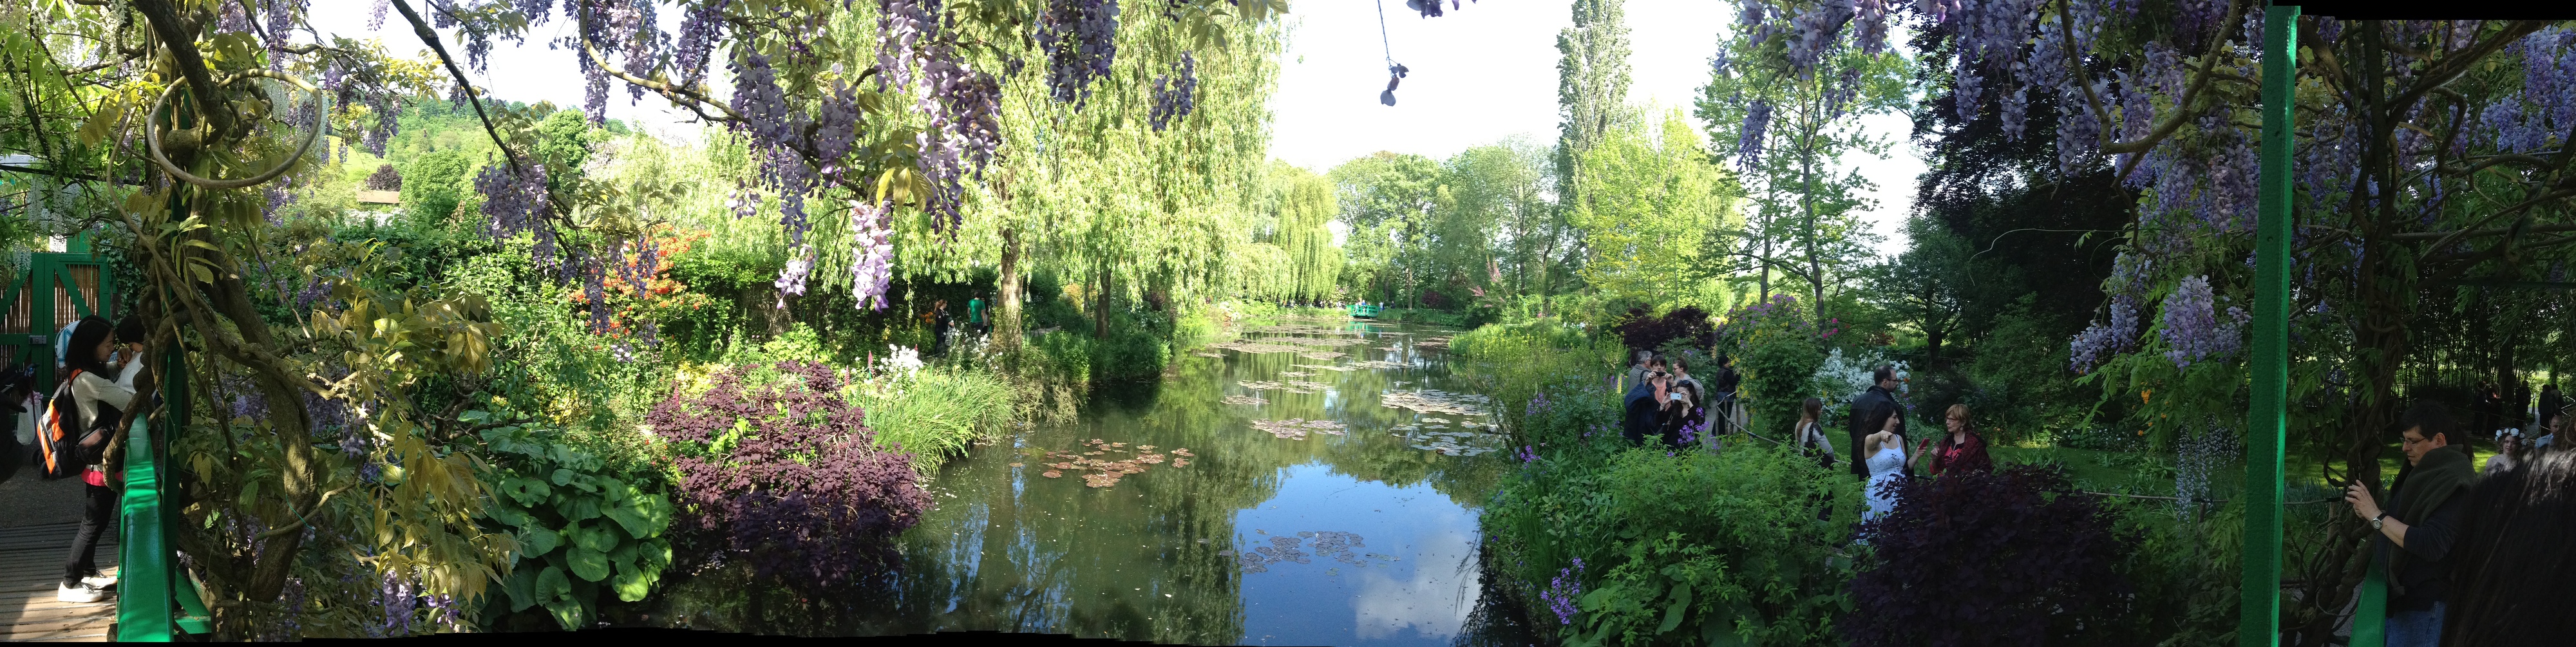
(1223, 533)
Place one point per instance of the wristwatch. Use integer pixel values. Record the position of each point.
(2381, 520)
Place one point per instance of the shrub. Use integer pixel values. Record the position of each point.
(1991, 559)
(1642, 546)
(579, 527)
(780, 472)
(1687, 325)
(1778, 349)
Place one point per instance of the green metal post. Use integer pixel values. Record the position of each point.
(143, 602)
(2259, 622)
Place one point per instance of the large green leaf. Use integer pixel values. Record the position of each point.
(578, 507)
(1680, 607)
(643, 514)
(526, 491)
(551, 585)
(535, 541)
(598, 537)
(587, 564)
(521, 587)
(569, 613)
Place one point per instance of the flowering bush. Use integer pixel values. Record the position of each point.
(1686, 324)
(776, 468)
(1998, 558)
(1778, 347)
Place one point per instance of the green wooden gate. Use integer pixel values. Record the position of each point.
(56, 289)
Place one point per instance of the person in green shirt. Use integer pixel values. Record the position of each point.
(975, 314)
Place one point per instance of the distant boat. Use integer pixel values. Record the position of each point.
(1363, 311)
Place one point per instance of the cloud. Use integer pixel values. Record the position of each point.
(1434, 602)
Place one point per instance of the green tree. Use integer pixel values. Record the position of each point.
(1652, 198)
(1388, 201)
(1789, 128)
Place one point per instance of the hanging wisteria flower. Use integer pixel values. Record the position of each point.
(791, 281)
(1748, 146)
(1081, 41)
(871, 254)
(2192, 330)
(1175, 93)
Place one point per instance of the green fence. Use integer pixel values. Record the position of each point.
(155, 599)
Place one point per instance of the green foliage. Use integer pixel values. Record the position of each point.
(936, 412)
(434, 184)
(583, 530)
(1650, 199)
(1778, 348)
(2020, 388)
(1514, 364)
(1693, 548)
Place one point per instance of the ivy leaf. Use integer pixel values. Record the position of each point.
(589, 565)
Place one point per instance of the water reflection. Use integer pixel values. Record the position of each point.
(1388, 554)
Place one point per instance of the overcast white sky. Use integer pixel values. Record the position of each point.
(1480, 74)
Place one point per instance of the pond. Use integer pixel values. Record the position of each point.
(1312, 483)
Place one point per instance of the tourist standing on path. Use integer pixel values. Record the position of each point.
(1728, 407)
(1637, 370)
(2420, 525)
(1884, 454)
(1810, 436)
(1871, 412)
(98, 402)
(975, 315)
(1639, 408)
(1696, 413)
(2551, 404)
(1962, 450)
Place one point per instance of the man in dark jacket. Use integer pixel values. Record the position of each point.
(1869, 412)
(2420, 525)
(1640, 406)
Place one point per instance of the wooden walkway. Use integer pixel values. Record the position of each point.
(31, 566)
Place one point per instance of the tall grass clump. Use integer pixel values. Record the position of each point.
(936, 412)
(1524, 366)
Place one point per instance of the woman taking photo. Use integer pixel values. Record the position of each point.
(101, 389)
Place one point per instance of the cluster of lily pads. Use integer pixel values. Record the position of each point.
(1291, 386)
(1297, 428)
(1244, 400)
(1434, 401)
(1333, 544)
(1105, 472)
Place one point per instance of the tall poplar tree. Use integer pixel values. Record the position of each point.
(1591, 91)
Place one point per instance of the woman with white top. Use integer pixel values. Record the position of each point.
(1884, 453)
(1810, 436)
(99, 401)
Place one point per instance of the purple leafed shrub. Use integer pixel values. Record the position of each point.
(1989, 559)
(1649, 333)
(784, 474)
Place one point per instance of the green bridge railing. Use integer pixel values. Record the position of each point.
(155, 599)
(1364, 311)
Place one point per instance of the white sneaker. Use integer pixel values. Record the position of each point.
(99, 581)
(83, 593)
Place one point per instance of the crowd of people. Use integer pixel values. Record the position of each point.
(2471, 556)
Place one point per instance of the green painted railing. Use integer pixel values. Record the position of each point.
(154, 597)
(1364, 311)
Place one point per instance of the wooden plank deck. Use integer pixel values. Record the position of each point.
(31, 566)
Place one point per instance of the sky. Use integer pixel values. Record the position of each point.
(1480, 74)
(1487, 71)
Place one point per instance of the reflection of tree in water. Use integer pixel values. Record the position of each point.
(1147, 559)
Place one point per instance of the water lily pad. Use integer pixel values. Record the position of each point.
(1244, 400)
(1050, 474)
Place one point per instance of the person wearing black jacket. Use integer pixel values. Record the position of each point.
(1869, 412)
(2420, 525)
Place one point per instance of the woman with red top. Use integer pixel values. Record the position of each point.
(1962, 450)
(101, 389)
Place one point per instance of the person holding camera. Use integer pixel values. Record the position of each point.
(2420, 525)
(99, 402)
(1643, 404)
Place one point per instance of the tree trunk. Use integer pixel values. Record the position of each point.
(1006, 323)
(1100, 313)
